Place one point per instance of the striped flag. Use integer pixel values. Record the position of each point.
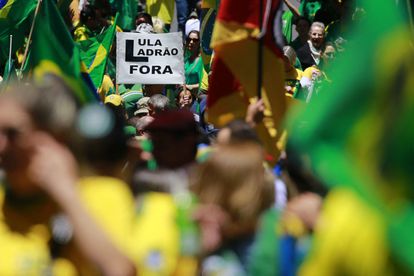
(54, 52)
(15, 19)
(94, 53)
(235, 66)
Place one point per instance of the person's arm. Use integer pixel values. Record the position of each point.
(292, 8)
(255, 113)
(55, 170)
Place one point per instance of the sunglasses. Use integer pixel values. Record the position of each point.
(193, 39)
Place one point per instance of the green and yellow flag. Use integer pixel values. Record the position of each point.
(54, 52)
(15, 19)
(127, 10)
(358, 130)
(95, 51)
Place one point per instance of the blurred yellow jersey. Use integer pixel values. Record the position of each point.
(350, 239)
(24, 246)
(110, 203)
(156, 238)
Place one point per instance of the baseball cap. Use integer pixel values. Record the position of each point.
(114, 99)
(142, 106)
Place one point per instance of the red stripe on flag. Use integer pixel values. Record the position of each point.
(222, 82)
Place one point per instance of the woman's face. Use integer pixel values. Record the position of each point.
(16, 146)
(15, 129)
(185, 99)
(193, 42)
(317, 36)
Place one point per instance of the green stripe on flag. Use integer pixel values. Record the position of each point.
(95, 51)
(15, 19)
(54, 52)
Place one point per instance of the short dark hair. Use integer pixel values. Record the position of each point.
(146, 16)
(87, 12)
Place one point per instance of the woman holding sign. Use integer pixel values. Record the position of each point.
(193, 63)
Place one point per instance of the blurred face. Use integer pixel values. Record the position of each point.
(223, 136)
(193, 42)
(173, 149)
(142, 19)
(317, 36)
(329, 52)
(16, 149)
(15, 126)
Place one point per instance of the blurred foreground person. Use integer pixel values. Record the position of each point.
(101, 147)
(231, 185)
(165, 237)
(40, 181)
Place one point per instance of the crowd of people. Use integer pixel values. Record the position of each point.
(142, 184)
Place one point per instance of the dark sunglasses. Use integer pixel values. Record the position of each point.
(193, 39)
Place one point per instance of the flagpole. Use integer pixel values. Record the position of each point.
(30, 35)
(10, 52)
(260, 54)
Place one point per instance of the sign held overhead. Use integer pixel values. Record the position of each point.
(149, 58)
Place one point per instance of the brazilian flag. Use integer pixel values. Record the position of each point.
(54, 52)
(127, 11)
(15, 19)
(94, 53)
(358, 131)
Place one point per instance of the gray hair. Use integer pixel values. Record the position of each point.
(159, 102)
(317, 24)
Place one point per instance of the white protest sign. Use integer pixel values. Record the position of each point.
(149, 58)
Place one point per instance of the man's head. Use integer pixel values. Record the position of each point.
(142, 123)
(24, 111)
(158, 103)
(302, 26)
(174, 136)
(317, 34)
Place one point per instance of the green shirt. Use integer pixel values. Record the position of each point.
(193, 69)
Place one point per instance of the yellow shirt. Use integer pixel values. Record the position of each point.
(156, 236)
(110, 202)
(350, 239)
(163, 9)
(23, 248)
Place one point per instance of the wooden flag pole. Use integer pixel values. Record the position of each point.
(260, 54)
(26, 50)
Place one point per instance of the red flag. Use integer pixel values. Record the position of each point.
(235, 67)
